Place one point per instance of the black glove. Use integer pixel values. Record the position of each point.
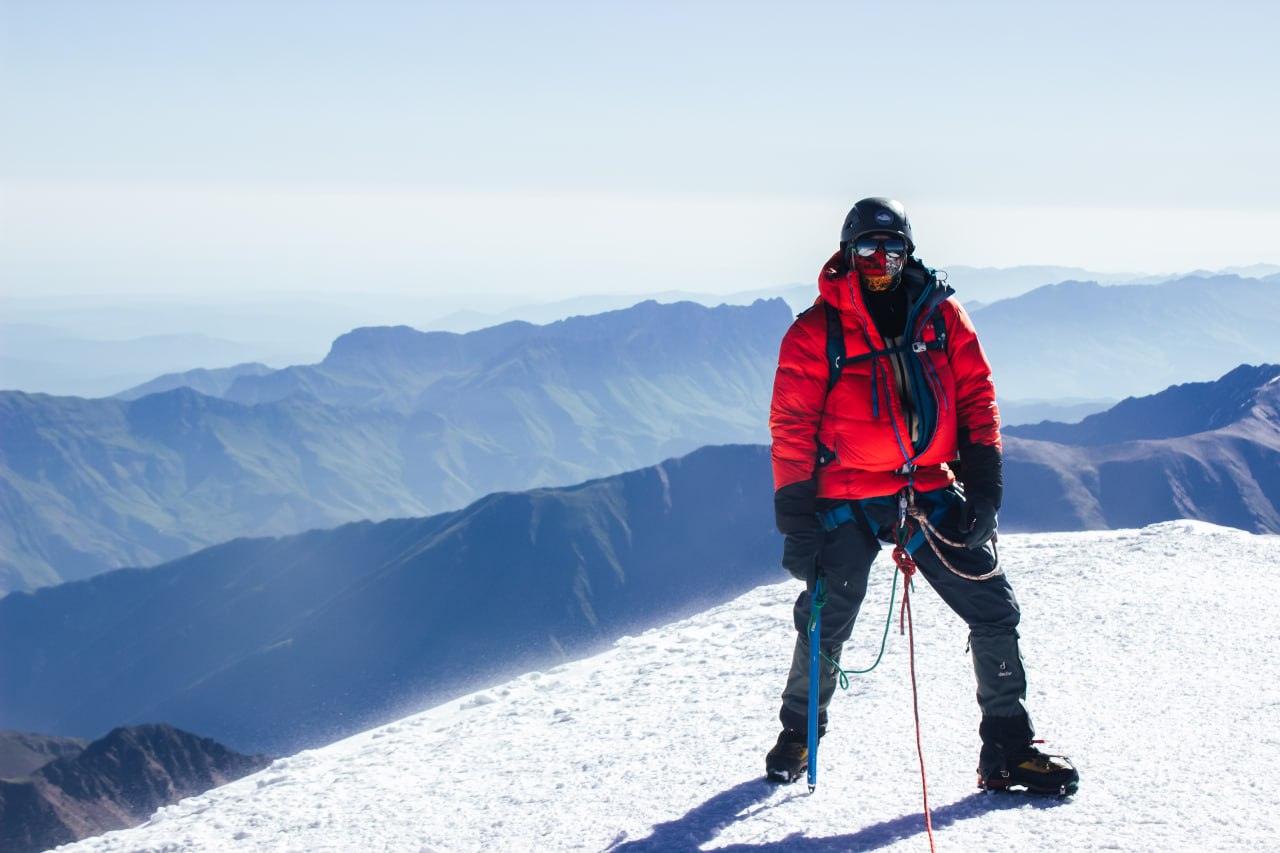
(982, 473)
(800, 554)
(979, 522)
(794, 507)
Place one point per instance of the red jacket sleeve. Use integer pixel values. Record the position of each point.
(799, 391)
(975, 390)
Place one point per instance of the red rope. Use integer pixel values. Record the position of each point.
(908, 568)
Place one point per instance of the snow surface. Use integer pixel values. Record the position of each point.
(1152, 661)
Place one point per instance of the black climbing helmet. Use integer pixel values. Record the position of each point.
(872, 215)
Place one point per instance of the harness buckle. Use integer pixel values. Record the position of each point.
(919, 347)
(906, 502)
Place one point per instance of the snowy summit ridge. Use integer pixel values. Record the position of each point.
(1151, 656)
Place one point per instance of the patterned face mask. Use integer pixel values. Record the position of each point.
(880, 270)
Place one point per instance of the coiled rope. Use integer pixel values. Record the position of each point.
(908, 509)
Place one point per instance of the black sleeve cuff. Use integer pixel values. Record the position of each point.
(982, 472)
(795, 506)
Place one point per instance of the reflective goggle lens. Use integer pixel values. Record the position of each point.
(866, 247)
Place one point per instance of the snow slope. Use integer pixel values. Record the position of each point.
(1152, 662)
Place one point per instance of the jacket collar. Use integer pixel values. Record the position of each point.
(839, 287)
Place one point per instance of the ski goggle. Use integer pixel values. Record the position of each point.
(867, 246)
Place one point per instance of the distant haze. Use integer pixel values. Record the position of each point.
(99, 345)
(240, 241)
(569, 147)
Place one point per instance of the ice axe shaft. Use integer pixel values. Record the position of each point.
(816, 601)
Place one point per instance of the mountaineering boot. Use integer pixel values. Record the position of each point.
(789, 758)
(1028, 768)
(1010, 759)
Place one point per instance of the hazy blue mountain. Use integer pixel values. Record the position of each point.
(991, 284)
(212, 383)
(976, 284)
(22, 753)
(1209, 451)
(44, 359)
(1067, 410)
(409, 370)
(1077, 341)
(1059, 345)
(1177, 411)
(273, 644)
(472, 319)
(115, 782)
(1262, 271)
(393, 422)
(1082, 339)
(88, 485)
(274, 328)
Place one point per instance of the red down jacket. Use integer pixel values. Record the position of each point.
(862, 418)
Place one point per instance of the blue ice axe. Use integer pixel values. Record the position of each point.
(818, 599)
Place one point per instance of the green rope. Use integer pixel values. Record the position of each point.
(842, 675)
(818, 602)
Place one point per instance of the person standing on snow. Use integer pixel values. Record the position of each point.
(914, 390)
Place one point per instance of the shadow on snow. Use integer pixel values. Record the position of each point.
(747, 799)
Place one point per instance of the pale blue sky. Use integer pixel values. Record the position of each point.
(558, 148)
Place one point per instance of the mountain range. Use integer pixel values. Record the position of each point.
(270, 645)
(976, 286)
(96, 346)
(1055, 349)
(1204, 450)
(115, 782)
(273, 644)
(396, 422)
(392, 423)
(1083, 339)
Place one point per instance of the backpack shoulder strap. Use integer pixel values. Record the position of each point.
(939, 332)
(835, 346)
